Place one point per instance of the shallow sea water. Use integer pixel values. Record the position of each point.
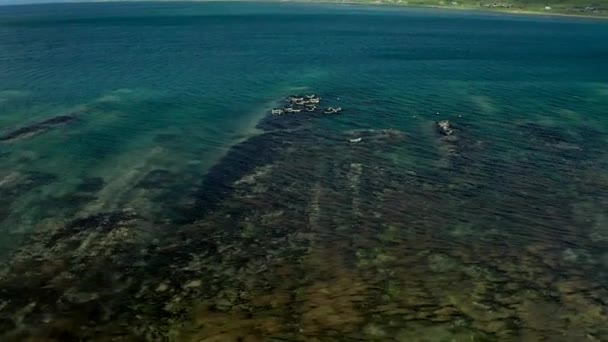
(164, 202)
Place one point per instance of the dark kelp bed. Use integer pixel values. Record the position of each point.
(306, 234)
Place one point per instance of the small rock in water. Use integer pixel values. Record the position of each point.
(47, 318)
(193, 284)
(223, 304)
(445, 127)
(374, 330)
(81, 297)
(162, 287)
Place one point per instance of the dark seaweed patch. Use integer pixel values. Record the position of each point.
(63, 335)
(103, 222)
(6, 324)
(37, 128)
(41, 178)
(90, 184)
(271, 122)
(33, 180)
(4, 210)
(157, 179)
(11, 192)
(546, 134)
(241, 160)
(555, 144)
(75, 200)
(165, 137)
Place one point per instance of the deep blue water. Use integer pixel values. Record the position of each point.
(158, 93)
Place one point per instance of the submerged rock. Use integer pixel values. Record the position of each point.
(16, 184)
(90, 184)
(298, 239)
(547, 134)
(162, 287)
(376, 137)
(442, 263)
(192, 284)
(157, 179)
(77, 275)
(37, 128)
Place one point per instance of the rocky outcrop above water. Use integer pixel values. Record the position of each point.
(445, 127)
(296, 111)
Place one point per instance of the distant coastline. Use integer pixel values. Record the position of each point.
(497, 7)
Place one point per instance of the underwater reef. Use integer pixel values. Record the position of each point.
(302, 233)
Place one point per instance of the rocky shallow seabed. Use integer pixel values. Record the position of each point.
(313, 235)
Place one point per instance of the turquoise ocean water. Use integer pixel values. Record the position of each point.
(169, 204)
